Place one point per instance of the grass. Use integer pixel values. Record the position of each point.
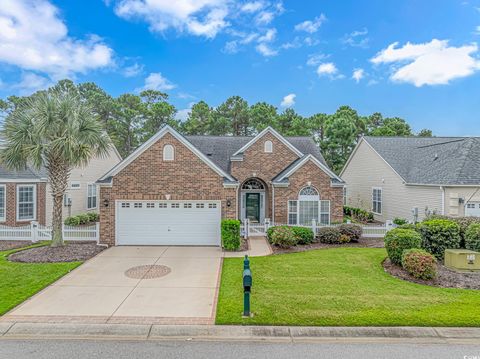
(19, 281)
(339, 287)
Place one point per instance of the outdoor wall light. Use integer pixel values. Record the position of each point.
(106, 202)
(229, 203)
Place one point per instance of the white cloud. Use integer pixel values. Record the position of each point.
(311, 26)
(133, 70)
(357, 38)
(198, 17)
(358, 74)
(315, 59)
(327, 69)
(266, 50)
(31, 82)
(432, 63)
(477, 30)
(289, 100)
(182, 115)
(265, 17)
(269, 36)
(253, 6)
(33, 37)
(156, 81)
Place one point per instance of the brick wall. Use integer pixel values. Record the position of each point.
(11, 203)
(309, 172)
(148, 177)
(265, 166)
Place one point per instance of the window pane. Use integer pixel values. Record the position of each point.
(308, 210)
(26, 205)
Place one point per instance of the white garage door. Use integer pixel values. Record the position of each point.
(472, 209)
(168, 223)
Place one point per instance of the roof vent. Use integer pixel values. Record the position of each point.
(435, 156)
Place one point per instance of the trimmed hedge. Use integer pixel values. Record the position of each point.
(399, 221)
(411, 226)
(397, 240)
(438, 235)
(332, 235)
(282, 236)
(303, 235)
(352, 231)
(83, 218)
(472, 237)
(463, 222)
(358, 214)
(419, 263)
(230, 234)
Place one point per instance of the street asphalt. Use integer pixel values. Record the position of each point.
(73, 349)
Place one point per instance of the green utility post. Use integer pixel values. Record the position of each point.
(247, 286)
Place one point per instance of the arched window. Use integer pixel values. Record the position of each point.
(308, 207)
(309, 191)
(253, 184)
(168, 153)
(268, 146)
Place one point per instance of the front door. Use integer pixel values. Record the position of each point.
(252, 206)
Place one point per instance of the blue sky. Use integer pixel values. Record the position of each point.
(415, 59)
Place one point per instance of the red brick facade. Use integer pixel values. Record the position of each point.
(188, 177)
(11, 203)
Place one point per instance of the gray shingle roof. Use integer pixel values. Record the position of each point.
(432, 160)
(220, 148)
(28, 173)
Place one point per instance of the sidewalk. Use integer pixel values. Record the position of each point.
(237, 333)
(258, 247)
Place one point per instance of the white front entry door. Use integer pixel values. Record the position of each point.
(176, 223)
(472, 209)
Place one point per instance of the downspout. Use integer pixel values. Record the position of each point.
(443, 199)
(273, 204)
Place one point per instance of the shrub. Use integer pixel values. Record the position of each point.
(411, 226)
(93, 216)
(438, 235)
(352, 231)
(359, 214)
(332, 235)
(464, 223)
(419, 263)
(83, 218)
(282, 236)
(303, 235)
(400, 221)
(472, 237)
(230, 234)
(399, 239)
(72, 221)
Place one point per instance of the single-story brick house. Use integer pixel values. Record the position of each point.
(412, 177)
(174, 189)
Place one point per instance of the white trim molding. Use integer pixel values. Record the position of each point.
(305, 160)
(17, 204)
(163, 131)
(4, 217)
(274, 133)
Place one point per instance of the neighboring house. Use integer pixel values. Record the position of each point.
(174, 190)
(411, 177)
(25, 195)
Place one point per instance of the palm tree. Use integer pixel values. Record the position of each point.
(56, 130)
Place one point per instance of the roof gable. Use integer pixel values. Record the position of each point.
(299, 163)
(164, 130)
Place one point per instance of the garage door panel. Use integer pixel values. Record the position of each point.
(168, 223)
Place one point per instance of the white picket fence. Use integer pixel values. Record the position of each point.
(249, 229)
(37, 232)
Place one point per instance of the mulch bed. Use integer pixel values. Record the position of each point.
(446, 278)
(70, 252)
(7, 245)
(361, 243)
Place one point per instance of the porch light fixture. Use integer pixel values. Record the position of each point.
(229, 203)
(106, 202)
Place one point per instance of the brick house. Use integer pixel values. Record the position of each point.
(25, 195)
(174, 189)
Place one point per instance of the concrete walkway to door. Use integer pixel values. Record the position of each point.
(116, 287)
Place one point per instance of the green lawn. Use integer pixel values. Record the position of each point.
(19, 281)
(339, 287)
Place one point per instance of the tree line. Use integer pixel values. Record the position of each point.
(130, 119)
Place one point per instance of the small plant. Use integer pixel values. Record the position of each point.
(419, 263)
(411, 226)
(358, 214)
(81, 219)
(282, 236)
(332, 235)
(303, 235)
(352, 231)
(397, 240)
(472, 237)
(230, 229)
(399, 221)
(72, 221)
(438, 235)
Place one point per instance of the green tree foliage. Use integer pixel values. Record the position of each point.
(425, 133)
(392, 127)
(199, 120)
(262, 115)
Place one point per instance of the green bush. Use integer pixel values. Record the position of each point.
(358, 214)
(332, 235)
(81, 219)
(303, 235)
(400, 221)
(464, 223)
(282, 236)
(472, 237)
(352, 231)
(419, 263)
(397, 240)
(230, 229)
(411, 226)
(438, 235)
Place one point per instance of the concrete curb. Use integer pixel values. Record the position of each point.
(234, 333)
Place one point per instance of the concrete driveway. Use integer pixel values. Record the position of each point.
(157, 285)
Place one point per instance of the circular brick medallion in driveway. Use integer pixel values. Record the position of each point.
(147, 272)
